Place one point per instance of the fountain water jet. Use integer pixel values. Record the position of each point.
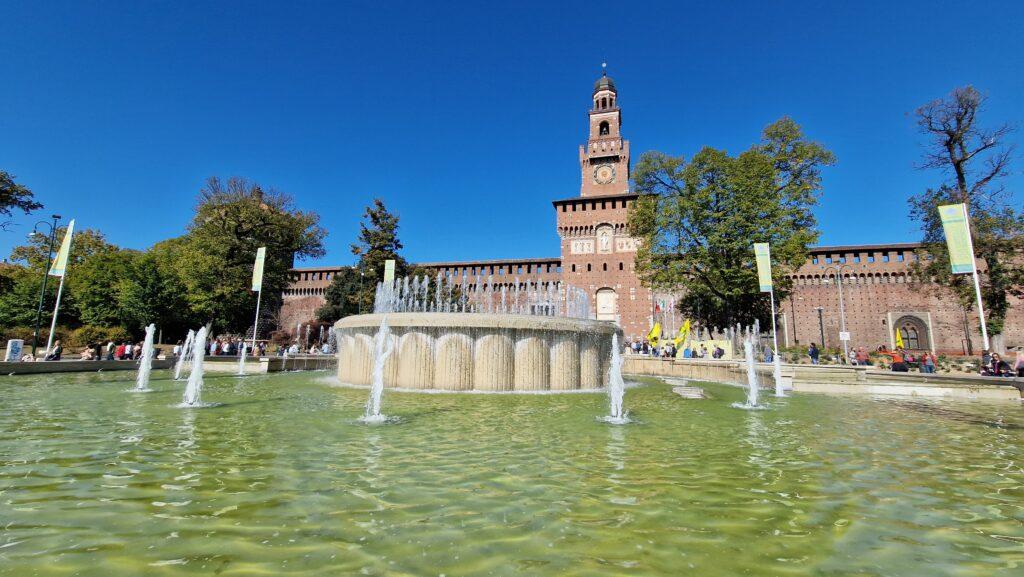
(382, 347)
(752, 385)
(241, 360)
(194, 387)
(146, 364)
(185, 355)
(616, 386)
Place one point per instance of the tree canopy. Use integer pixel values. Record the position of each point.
(698, 221)
(377, 243)
(202, 276)
(974, 160)
(14, 196)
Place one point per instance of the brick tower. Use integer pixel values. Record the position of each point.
(604, 160)
(597, 252)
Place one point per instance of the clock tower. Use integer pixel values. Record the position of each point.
(604, 159)
(598, 252)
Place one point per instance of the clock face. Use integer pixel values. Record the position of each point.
(604, 174)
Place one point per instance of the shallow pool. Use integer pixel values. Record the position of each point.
(281, 478)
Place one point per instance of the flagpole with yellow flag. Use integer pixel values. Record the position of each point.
(257, 285)
(957, 228)
(654, 335)
(763, 258)
(683, 336)
(899, 338)
(59, 268)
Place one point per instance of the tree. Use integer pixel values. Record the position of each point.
(974, 159)
(19, 296)
(342, 296)
(14, 196)
(85, 243)
(377, 243)
(20, 308)
(232, 220)
(698, 220)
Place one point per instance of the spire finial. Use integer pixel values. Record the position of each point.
(604, 69)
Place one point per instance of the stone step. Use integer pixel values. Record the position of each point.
(689, 392)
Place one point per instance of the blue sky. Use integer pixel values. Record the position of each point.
(466, 118)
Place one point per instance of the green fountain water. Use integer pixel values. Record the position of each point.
(281, 478)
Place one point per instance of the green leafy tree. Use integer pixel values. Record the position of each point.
(975, 160)
(377, 243)
(14, 196)
(233, 219)
(85, 243)
(698, 221)
(19, 296)
(342, 296)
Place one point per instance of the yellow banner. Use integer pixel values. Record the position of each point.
(899, 339)
(958, 237)
(654, 334)
(763, 256)
(257, 269)
(684, 334)
(60, 266)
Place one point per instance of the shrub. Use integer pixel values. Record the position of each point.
(88, 334)
(25, 334)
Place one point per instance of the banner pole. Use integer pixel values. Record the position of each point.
(776, 362)
(981, 309)
(977, 282)
(256, 322)
(53, 323)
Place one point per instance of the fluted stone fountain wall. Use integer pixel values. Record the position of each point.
(482, 352)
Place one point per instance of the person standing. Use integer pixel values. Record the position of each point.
(1018, 365)
(928, 363)
(110, 350)
(812, 351)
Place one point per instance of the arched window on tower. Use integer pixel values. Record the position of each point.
(604, 103)
(603, 128)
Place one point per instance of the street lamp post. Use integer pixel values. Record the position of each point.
(821, 325)
(842, 311)
(359, 297)
(46, 273)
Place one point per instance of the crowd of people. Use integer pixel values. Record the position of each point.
(902, 360)
(112, 351)
(993, 365)
(669, 350)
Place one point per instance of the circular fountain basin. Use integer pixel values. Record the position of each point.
(478, 352)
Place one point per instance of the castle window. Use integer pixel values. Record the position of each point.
(885, 258)
(588, 267)
(814, 260)
(604, 104)
(871, 257)
(604, 267)
(603, 130)
(620, 266)
(573, 268)
(899, 257)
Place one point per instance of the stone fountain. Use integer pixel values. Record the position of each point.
(437, 345)
(478, 352)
